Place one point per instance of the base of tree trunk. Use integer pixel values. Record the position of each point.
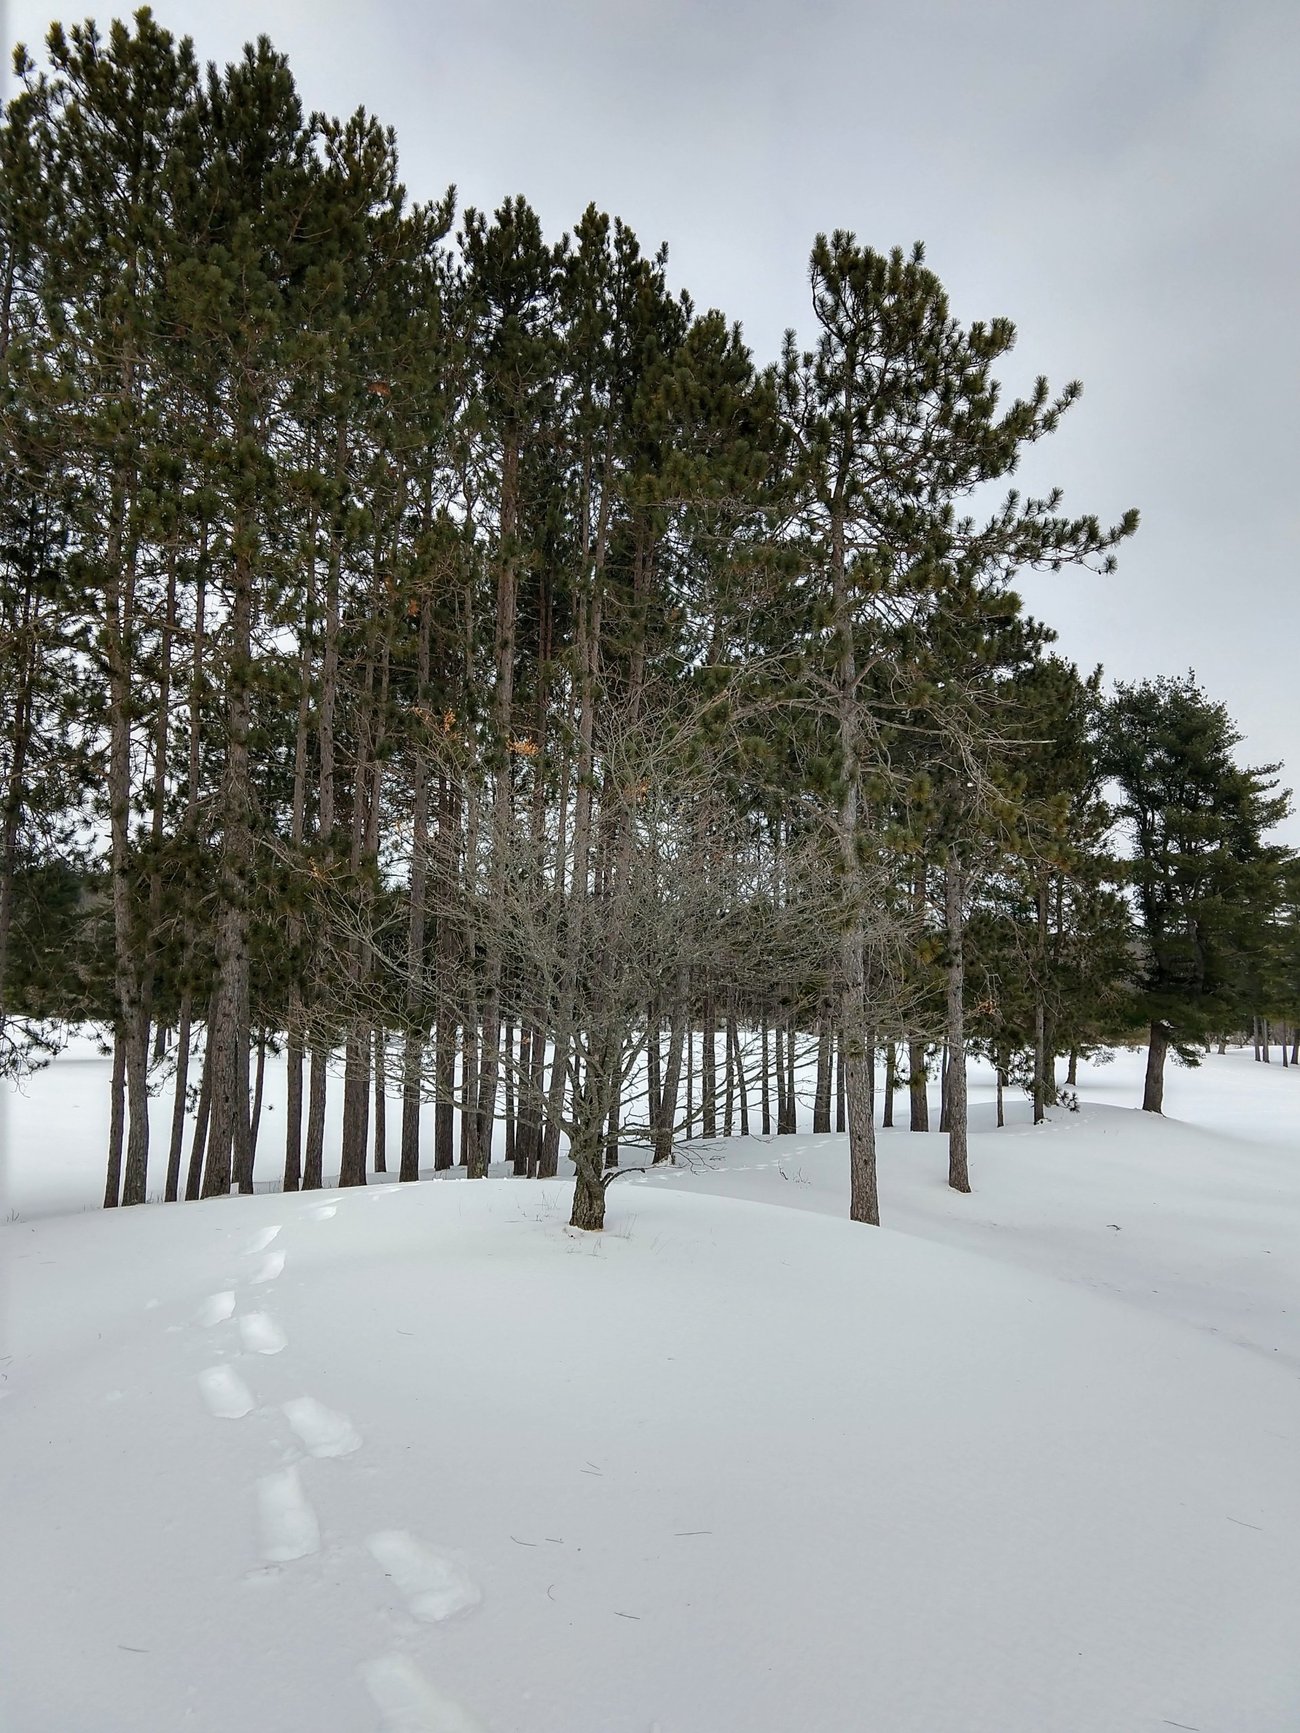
(1153, 1098)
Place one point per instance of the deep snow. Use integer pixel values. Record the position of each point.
(420, 1459)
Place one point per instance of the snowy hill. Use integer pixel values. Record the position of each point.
(422, 1460)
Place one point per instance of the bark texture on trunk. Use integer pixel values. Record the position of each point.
(958, 1156)
(1153, 1096)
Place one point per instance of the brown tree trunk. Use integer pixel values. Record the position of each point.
(918, 1093)
(741, 1087)
(958, 1155)
(841, 1109)
(259, 1090)
(782, 1112)
(708, 1070)
(729, 1078)
(822, 1091)
(891, 1080)
(381, 1100)
(666, 1121)
(766, 1087)
(313, 1172)
(172, 1187)
(228, 1031)
(116, 1123)
(199, 1142)
(1153, 1097)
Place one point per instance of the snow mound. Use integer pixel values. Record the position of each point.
(728, 1468)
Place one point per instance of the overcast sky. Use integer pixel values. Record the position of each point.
(1119, 177)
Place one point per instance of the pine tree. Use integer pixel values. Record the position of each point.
(1205, 881)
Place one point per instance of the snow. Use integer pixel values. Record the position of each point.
(421, 1459)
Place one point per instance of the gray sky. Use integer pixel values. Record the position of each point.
(1119, 177)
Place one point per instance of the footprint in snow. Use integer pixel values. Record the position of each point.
(288, 1522)
(435, 1587)
(260, 1334)
(261, 1240)
(226, 1394)
(215, 1309)
(320, 1430)
(408, 1703)
(322, 1212)
(269, 1268)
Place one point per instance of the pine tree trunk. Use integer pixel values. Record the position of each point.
(791, 1097)
(741, 1086)
(841, 1110)
(173, 1182)
(690, 1080)
(313, 1172)
(228, 1033)
(766, 1091)
(1072, 1070)
(729, 1079)
(293, 1099)
(1153, 1098)
(242, 1140)
(259, 1090)
(778, 1044)
(116, 1123)
(822, 1090)
(891, 1080)
(958, 1155)
(199, 1141)
(917, 1080)
(666, 1122)
(653, 1069)
(507, 1080)
(708, 1070)
(381, 1099)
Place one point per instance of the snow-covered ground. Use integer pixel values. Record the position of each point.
(420, 1459)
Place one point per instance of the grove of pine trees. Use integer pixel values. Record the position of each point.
(443, 657)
